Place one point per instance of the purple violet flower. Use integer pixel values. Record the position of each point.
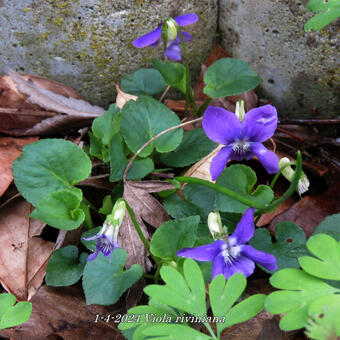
(108, 234)
(234, 255)
(241, 139)
(173, 50)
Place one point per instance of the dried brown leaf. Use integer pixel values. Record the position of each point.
(311, 210)
(50, 100)
(10, 149)
(122, 97)
(201, 169)
(23, 113)
(23, 254)
(146, 208)
(63, 313)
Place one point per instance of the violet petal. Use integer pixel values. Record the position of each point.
(173, 52)
(186, 37)
(219, 162)
(148, 39)
(203, 253)
(260, 123)
(93, 255)
(221, 126)
(218, 266)
(245, 229)
(186, 19)
(244, 265)
(266, 260)
(268, 159)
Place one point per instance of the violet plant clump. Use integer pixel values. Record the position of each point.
(231, 254)
(154, 38)
(134, 142)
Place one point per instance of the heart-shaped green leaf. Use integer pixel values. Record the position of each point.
(329, 226)
(174, 235)
(60, 209)
(104, 282)
(194, 146)
(228, 77)
(145, 81)
(49, 165)
(139, 168)
(241, 179)
(146, 118)
(289, 244)
(172, 73)
(64, 268)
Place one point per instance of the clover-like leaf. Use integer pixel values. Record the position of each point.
(174, 235)
(241, 179)
(228, 77)
(144, 119)
(12, 315)
(145, 81)
(298, 291)
(60, 209)
(104, 282)
(328, 251)
(289, 244)
(49, 165)
(223, 294)
(64, 268)
(185, 292)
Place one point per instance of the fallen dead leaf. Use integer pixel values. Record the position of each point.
(10, 149)
(62, 313)
(23, 254)
(122, 97)
(311, 210)
(146, 208)
(201, 169)
(24, 100)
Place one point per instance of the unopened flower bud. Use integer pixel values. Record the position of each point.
(171, 29)
(118, 213)
(288, 173)
(215, 223)
(239, 110)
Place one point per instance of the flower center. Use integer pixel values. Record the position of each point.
(241, 147)
(229, 252)
(105, 246)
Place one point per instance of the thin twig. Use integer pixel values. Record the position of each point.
(290, 134)
(288, 121)
(164, 93)
(273, 143)
(154, 138)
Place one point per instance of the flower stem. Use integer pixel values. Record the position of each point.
(245, 200)
(279, 173)
(189, 98)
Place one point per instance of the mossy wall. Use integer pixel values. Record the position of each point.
(86, 44)
(300, 71)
